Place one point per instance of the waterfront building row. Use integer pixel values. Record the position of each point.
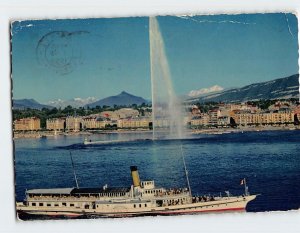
(264, 118)
(95, 122)
(244, 119)
(126, 118)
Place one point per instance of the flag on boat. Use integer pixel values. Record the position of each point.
(242, 181)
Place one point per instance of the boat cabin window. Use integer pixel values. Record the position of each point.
(140, 205)
(41, 204)
(64, 204)
(71, 204)
(56, 204)
(134, 206)
(33, 204)
(48, 204)
(159, 203)
(145, 205)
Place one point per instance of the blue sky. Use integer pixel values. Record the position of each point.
(107, 56)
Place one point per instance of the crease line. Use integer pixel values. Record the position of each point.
(214, 21)
(288, 24)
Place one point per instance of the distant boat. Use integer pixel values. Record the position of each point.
(90, 142)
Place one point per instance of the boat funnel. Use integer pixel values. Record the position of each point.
(135, 176)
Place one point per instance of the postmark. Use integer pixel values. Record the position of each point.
(59, 51)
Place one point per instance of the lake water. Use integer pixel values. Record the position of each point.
(269, 160)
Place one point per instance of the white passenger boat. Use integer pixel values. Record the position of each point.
(141, 198)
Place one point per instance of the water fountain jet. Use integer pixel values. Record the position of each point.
(167, 110)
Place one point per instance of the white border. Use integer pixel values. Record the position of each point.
(19, 10)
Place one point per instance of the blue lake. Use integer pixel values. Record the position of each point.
(269, 160)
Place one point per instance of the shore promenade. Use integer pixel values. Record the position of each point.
(39, 134)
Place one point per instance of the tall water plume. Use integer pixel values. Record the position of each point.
(167, 110)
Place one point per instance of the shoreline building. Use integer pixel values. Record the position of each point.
(201, 120)
(213, 116)
(94, 122)
(73, 123)
(56, 124)
(30, 123)
(138, 122)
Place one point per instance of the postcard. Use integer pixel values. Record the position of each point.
(155, 116)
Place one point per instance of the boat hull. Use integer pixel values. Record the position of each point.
(230, 205)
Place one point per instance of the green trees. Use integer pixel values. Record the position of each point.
(205, 107)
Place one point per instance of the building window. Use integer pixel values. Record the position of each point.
(41, 204)
(134, 206)
(145, 205)
(33, 204)
(72, 205)
(56, 205)
(140, 205)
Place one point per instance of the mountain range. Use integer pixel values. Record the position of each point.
(123, 98)
(282, 88)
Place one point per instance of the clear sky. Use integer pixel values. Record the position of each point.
(63, 59)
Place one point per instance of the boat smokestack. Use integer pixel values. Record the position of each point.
(135, 176)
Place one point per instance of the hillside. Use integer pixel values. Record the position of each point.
(29, 103)
(282, 88)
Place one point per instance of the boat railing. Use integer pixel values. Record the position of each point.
(204, 198)
(172, 192)
(70, 198)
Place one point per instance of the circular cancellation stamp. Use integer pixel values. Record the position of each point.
(57, 50)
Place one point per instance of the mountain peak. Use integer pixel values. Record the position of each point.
(124, 93)
(123, 99)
